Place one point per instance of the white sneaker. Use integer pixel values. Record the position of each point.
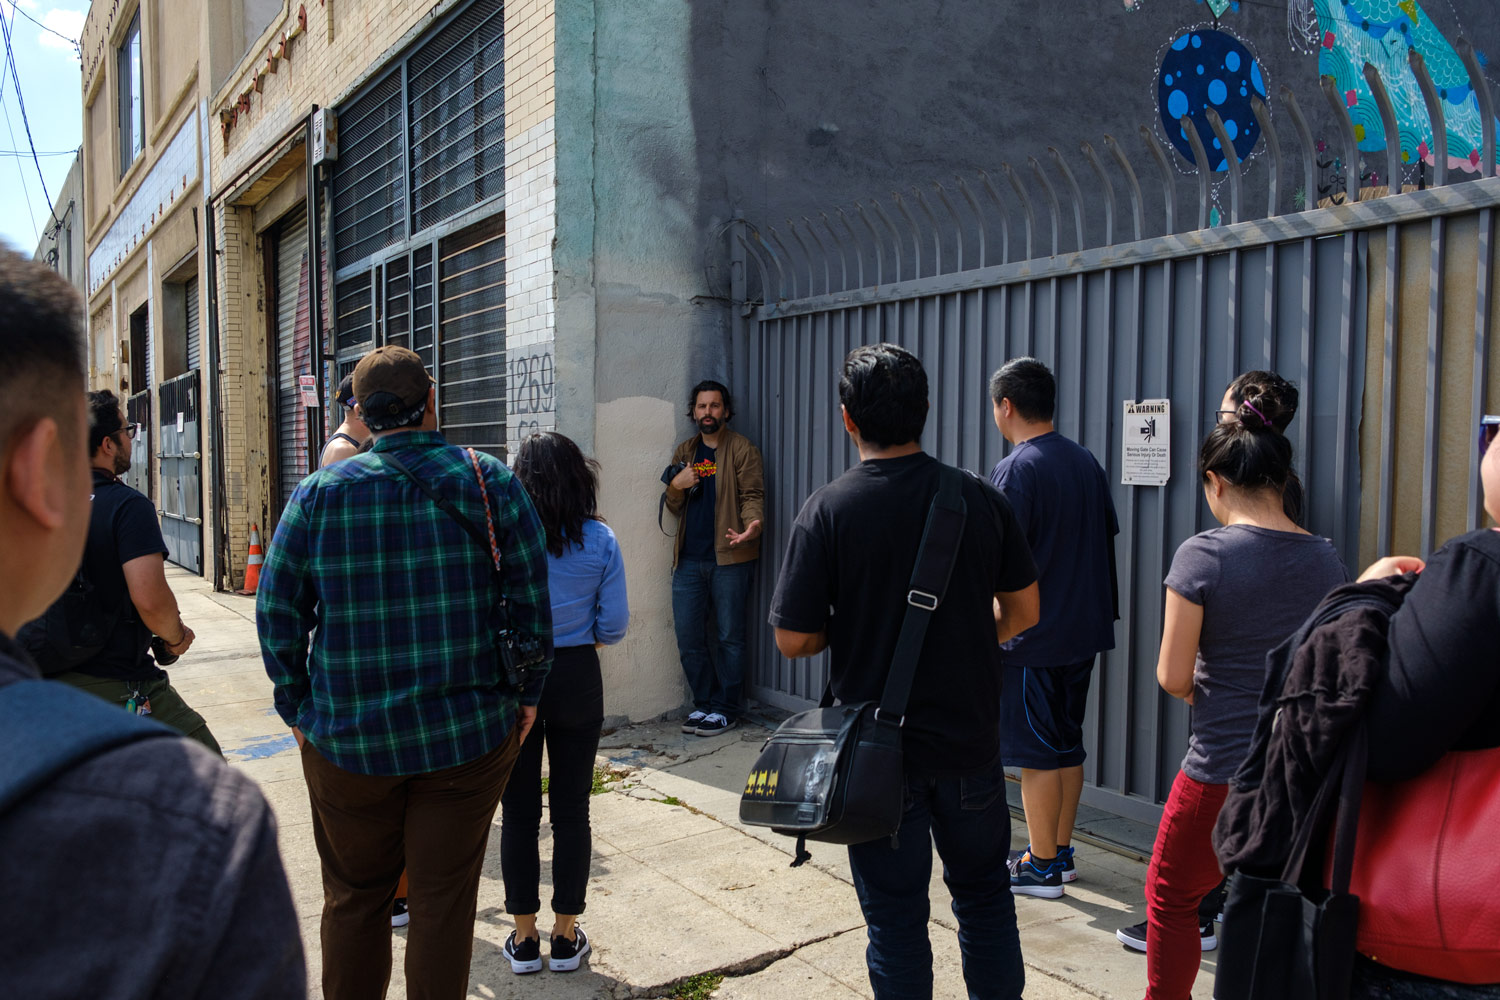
(690, 724)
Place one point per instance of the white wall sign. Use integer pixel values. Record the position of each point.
(1146, 443)
(309, 387)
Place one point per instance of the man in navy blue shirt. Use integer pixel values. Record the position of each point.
(1061, 499)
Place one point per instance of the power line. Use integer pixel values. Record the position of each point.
(36, 230)
(10, 56)
(71, 41)
(44, 152)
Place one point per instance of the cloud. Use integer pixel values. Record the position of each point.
(64, 22)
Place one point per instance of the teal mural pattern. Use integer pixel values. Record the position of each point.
(1381, 32)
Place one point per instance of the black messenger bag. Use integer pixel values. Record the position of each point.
(834, 773)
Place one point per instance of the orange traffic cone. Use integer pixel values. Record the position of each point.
(252, 564)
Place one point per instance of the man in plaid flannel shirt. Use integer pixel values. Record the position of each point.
(377, 615)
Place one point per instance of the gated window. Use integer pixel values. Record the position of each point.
(417, 261)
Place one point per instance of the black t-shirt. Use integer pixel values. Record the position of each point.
(1442, 689)
(847, 567)
(123, 526)
(698, 543)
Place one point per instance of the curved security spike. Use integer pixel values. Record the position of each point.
(787, 255)
(859, 251)
(760, 265)
(989, 189)
(958, 224)
(827, 273)
(875, 237)
(1263, 119)
(1486, 106)
(1200, 157)
(916, 233)
(1435, 118)
(1133, 185)
(1393, 171)
(791, 227)
(937, 233)
(1072, 182)
(1026, 210)
(1052, 205)
(978, 215)
(1231, 161)
(776, 260)
(895, 233)
(1304, 137)
(1106, 187)
(1352, 180)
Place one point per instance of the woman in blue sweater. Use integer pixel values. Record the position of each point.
(586, 580)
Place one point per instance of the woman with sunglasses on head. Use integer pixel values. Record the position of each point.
(353, 436)
(1441, 694)
(586, 581)
(1277, 399)
(1233, 593)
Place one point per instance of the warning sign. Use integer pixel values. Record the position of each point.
(1146, 443)
(309, 387)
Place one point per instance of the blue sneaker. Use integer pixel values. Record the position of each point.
(1026, 879)
(1065, 855)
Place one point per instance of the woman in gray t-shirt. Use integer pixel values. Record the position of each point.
(1233, 594)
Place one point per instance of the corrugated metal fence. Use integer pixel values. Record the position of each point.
(1171, 316)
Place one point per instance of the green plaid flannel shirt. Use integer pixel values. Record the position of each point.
(377, 613)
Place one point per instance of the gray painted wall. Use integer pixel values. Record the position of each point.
(675, 117)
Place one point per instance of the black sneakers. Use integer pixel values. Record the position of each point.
(692, 722)
(567, 954)
(525, 956)
(1135, 937)
(714, 724)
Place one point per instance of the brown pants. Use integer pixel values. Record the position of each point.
(366, 828)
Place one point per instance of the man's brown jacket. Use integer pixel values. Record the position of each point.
(739, 493)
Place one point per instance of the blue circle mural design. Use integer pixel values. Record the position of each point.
(1203, 69)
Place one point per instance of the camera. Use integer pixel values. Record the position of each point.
(518, 654)
(670, 473)
(160, 653)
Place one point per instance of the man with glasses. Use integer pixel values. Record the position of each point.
(124, 561)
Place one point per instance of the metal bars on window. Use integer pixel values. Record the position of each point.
(369, 185)
(471, 354)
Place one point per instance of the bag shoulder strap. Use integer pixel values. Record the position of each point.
(47, 727)
(446, 506)
(928, 586)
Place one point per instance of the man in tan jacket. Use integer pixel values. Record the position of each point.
(718, 497)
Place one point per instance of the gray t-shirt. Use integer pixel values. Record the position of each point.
(1256, 586)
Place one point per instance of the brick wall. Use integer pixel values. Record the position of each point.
(530, 218)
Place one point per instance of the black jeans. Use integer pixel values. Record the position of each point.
(569, 718)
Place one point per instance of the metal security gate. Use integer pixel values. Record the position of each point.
(190, 301)
(181, 458)
(293, 347)
(138, 411)
(1172, 316)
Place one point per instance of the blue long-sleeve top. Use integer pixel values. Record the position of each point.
(587, 585)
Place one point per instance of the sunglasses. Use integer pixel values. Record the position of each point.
(1489, 427)
(1224, 416)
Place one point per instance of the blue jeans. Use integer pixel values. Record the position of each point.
(969, 820)
(717, 687)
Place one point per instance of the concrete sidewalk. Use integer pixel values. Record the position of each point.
(680, 893)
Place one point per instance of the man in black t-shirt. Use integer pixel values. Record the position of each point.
(125, 561)
(843, 588)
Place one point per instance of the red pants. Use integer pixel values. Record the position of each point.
(1183, 870)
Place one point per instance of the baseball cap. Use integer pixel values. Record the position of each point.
(345, 395)
(390, 384)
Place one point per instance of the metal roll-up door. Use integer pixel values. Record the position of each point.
(190, 293)
(293, 352)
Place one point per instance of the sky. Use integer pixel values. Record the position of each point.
(51, 88)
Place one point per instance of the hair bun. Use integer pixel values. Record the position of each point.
(1252, 415)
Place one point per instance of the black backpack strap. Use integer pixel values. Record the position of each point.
(929, 584)
(446, 506)
(47, 727)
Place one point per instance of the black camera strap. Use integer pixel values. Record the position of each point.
(491, 556)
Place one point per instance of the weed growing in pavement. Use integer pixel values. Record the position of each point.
(670, 800)
(699, 987)
(602, 780)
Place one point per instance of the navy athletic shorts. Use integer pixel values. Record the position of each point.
(1041, 715)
